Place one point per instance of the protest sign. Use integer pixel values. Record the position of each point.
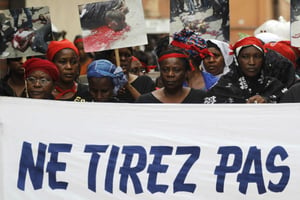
(111, 24)
(24, 32)
(209, 19)
(68, 150)
(295, 22)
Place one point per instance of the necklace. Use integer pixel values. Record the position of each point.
(62, 92)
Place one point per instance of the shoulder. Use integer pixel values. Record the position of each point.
(195, 96)
(210, 79)
(144, 78)
(147, 98)
(143, 84)
(196, 92)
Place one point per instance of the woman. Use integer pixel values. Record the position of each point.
(13, 83)
(136, 67)
(136, 85)
(84, 58)
(65, 56)
(196, 47)
(218, 63)
(246, 82)
(105, 79)
(40, 76)
(174, 65)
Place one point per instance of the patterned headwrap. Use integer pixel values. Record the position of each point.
(191, 41)
(56, 46)
(104, 68)
(38, 64)
(248, 41)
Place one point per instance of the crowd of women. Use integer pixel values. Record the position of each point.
(192, 70)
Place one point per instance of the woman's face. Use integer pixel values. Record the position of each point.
(125, 59)
(136, 67)
(101, 89)
(15, 66)
(82, 54)
(214, 64)
(39, 85)
(250, 60)
(173, 73)
(67, 63)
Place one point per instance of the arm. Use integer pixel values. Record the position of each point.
(132, 90)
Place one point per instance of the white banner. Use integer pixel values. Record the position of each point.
(74, 151)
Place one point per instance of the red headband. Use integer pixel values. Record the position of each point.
(78, 40)
(249, 41)
(172, 55)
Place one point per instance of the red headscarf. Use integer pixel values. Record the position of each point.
(248, 41)
(38, 64)
(56, 46)
(284, 48)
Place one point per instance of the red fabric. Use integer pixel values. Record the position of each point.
(172, 55)
(248, 41)
(135, 58)
(78, 40)
(56, 46)
(38, 64)
(144, 65)
(63, 92)
(284, 48)
(202, 52)
(149, 67)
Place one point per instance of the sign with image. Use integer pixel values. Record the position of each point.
(24, 32)
(112, 24)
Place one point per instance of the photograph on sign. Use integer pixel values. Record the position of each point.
(209, 18)
(24, 32)
(112, 24)
(295, 23)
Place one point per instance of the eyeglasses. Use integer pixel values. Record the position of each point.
(42, 81)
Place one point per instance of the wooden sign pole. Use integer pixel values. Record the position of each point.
(117, 56)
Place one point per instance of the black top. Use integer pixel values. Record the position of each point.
(6, 90)
(143, 84)
(234, 87)
(292, 95)
(279, 67)
(194, 96)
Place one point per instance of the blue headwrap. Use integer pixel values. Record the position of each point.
(104, 68)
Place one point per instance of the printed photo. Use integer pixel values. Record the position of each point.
(210, 18)
(295, 23)
(24, 32)
(112, 24)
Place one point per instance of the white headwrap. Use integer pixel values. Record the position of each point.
(225, 50)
